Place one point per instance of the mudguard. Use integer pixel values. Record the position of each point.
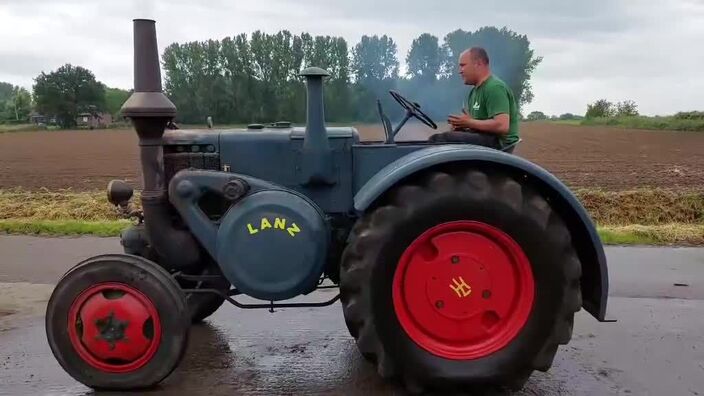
(595, 282)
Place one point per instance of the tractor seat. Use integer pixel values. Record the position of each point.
(509, 149)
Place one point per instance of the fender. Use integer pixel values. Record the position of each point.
(595, 281)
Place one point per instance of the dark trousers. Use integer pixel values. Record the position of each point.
(468, 137)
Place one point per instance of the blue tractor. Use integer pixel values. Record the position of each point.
(456, 265)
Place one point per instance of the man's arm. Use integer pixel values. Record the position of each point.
(498, 125)
(497, 106)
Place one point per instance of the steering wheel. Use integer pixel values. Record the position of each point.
(413, 108)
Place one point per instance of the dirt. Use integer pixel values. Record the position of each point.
(611, 158)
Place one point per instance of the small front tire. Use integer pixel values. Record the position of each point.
(117, 322)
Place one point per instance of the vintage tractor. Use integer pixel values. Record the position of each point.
(457, 265)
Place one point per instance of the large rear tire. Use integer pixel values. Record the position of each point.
(117, 322)
(461, 279)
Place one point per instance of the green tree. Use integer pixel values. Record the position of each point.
(536, 116)
(627, 108)
(18, 107)
(600, 108)
(6, 90)
(374, 59)
(374, 67)
(67, 92)
(114, 99)
(425, 58)
(238, 73)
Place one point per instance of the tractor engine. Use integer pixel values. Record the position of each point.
(270, 242)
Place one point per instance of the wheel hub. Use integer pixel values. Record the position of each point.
(114, 327)
(463, 290)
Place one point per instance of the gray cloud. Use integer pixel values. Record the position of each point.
(646, 50)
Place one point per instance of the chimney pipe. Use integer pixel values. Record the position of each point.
(317, 156)
(150, 110)
(147, 74)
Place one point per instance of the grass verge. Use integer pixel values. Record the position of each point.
(663, 234)
(666, 234)
(63, 227)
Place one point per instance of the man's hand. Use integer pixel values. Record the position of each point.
(460, 121)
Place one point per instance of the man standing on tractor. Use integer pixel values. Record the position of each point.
(490, 117)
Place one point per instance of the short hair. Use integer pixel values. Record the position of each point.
(479, 53)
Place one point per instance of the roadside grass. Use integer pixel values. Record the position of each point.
(664, 234)
(105, 228)
(643, 206)
(643, 217)
(46, 204)
(659, 235)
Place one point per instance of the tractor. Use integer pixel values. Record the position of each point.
(456, 265)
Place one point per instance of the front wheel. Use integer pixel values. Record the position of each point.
(117, 322)
(461, 279)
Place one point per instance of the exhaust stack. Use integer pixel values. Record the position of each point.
(317, 156)
(150, 110)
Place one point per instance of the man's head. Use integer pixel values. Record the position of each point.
(474, 65)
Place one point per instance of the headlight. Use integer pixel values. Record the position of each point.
(119, 192)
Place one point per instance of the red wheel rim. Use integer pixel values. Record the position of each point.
(114, 327)
(463, 290)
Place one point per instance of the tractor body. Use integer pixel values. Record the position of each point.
(272, 158)
(457, 265)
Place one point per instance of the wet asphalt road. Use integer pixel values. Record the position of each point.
(656, 348)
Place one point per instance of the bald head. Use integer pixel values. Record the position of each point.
(474, 65)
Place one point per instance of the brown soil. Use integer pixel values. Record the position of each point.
(610, 158)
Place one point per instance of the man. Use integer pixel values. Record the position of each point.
(491, 116)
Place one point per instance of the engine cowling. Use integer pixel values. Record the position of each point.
(272, 245)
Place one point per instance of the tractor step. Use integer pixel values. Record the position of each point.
(228, 296)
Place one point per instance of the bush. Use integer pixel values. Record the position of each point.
(642, 122)
(627, 108)
(536, 115)
(690, 115)
(600, 109)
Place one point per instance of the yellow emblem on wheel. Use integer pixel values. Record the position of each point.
(460, 287)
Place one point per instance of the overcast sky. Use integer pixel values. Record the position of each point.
(646, 50)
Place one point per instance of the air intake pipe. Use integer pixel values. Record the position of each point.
(317, 156)
(150, 110)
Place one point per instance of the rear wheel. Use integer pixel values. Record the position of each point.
(463, 278)
(117, 322)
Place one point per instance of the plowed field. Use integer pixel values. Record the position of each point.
(610, 158)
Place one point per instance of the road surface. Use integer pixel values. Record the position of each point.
(656, 348)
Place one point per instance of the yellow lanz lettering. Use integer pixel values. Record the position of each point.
(460, 287)
(279, 224)
(265, 224)
(293, 230)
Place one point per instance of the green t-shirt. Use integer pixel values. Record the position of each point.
(494, 97)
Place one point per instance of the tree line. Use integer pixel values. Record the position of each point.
(62, 95)
(255, 78)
